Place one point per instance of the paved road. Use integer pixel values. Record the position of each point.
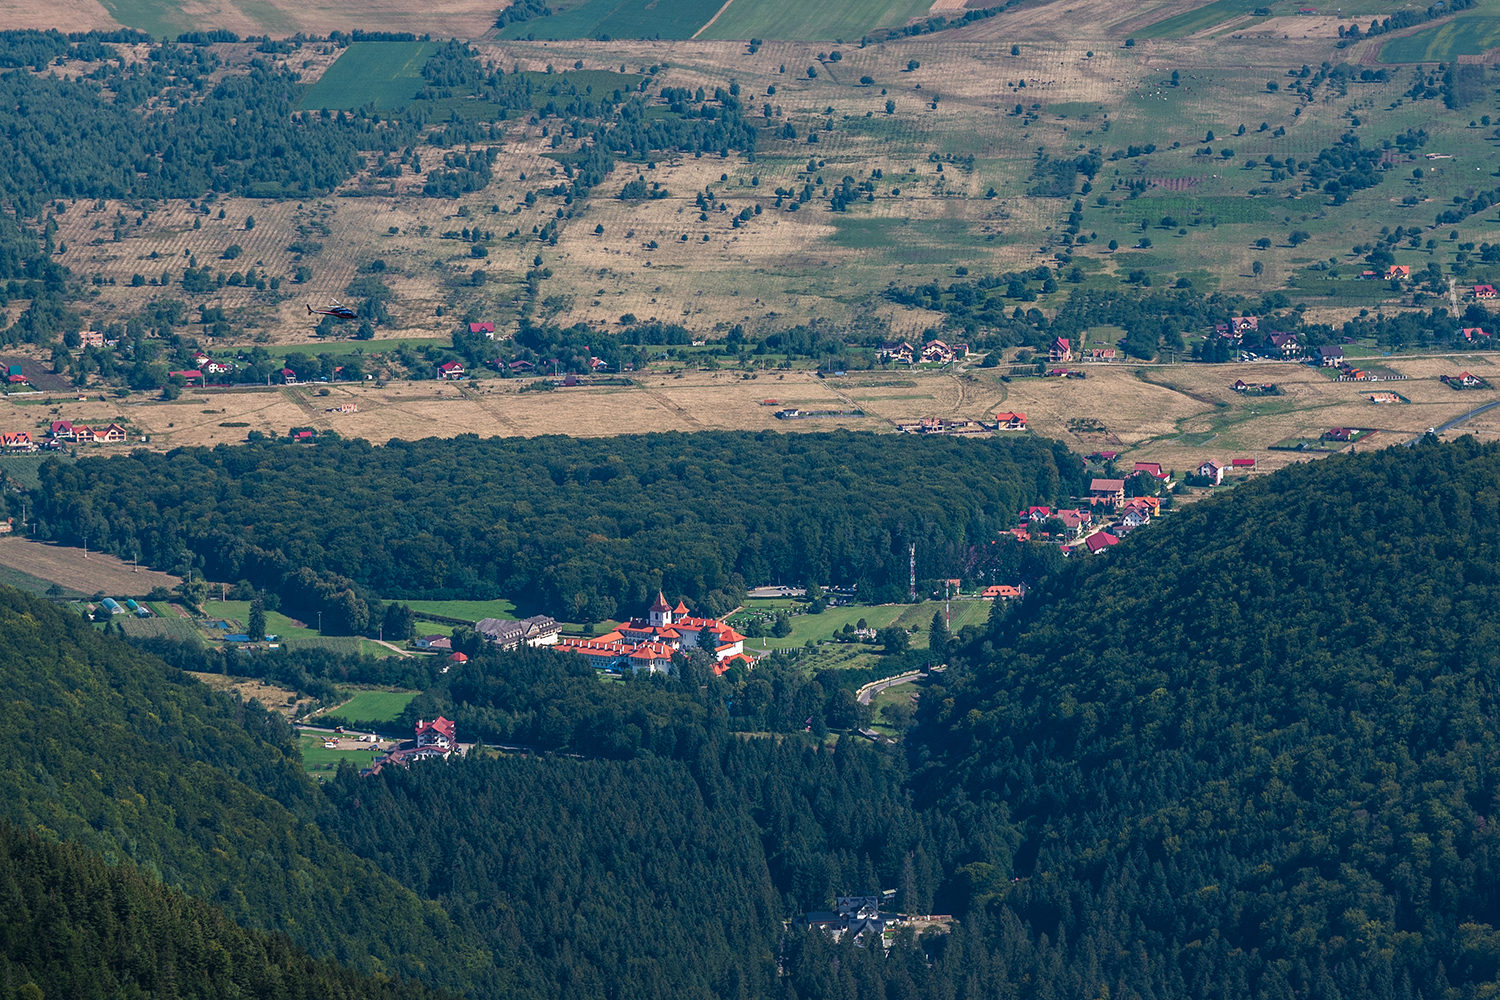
(869, 691)
(1456, 421)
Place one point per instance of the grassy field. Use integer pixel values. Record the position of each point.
(471, 611)
(1197, 19)
(277, 624)
(821, 22)
(1465, 35)
(620, 19)
(321, 762)
(375, 706)
(820, 627)
(389, 74)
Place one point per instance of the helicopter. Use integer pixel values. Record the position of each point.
(336, 309)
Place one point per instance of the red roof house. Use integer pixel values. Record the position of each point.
(439, 732)
(485, 328)
(1099, 541)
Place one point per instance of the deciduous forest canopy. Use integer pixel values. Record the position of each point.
(585, 529)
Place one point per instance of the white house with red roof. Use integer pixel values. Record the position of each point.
(440, 732)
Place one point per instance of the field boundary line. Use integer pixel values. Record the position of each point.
(711, 20)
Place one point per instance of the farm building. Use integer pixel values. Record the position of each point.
(1242, 464)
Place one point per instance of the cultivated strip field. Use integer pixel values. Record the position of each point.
(67, 567)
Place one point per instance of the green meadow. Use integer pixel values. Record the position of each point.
(388, 74)
(1463, 36)
(620, 19)
(819, 22)
(375, 706)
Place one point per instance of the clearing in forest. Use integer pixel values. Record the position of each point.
(389, 74)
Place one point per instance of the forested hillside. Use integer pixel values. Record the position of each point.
(1252, 753)
(139, 762)
(74, 925)
(586, 529)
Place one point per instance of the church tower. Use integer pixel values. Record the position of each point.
(661, 612)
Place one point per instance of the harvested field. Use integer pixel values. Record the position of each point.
(68, 568)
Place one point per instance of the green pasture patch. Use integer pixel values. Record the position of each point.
(866, 234)
(1466, 35)
(158, 18)
(817, 627)
(620, 19)
(469, 611)
(1192, 21)
(1074, 109)
(375, 706)
(35, 585)
(779, 20)
(1227, 211)
(387, 74)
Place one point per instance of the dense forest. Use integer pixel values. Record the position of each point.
(1245, 754)
(74, 925)
(583, 529)
(139, 762)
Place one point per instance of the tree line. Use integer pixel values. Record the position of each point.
(578, 528)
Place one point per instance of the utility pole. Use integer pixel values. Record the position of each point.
(947, 611)
(85, 546)
(320, 623)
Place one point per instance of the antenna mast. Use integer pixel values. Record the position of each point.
(914, 572)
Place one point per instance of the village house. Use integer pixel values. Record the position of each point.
(1099, 541)
(538, 630)
(90, 338)
(896, 350)
(1074, 520)
(1402, 271)
(1484, 291)
(1339, 434)
(1212, 471)
(1154, 470)
(941, 351)
(1330, 356)
(451, 369)
(1470, 332)
(440, 732)
(1107, 491)
(1286, 343)
(1148, 505)
(1034, 514)
(1019, 534)
(432, 642)
(1011, 421)
(1244, 324)
(17, 441)
(486, 328)
(288, 376)
(1132, 519)
(1002, 592)
(1060, 351)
